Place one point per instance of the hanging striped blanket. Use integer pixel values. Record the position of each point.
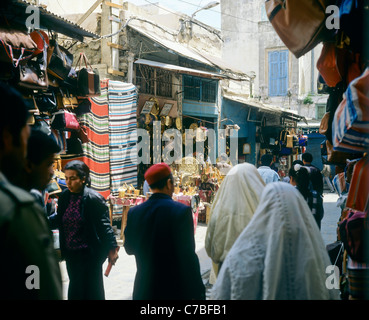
(122, 134)
(96, 151)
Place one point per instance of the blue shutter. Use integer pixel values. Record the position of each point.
(278, 73)
(283, 74)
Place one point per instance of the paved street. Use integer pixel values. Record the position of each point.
(119, 284)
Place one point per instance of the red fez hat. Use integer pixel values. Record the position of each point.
(157, 172)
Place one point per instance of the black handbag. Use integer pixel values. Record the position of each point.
(84, 107)
(60, 61)
(74, 144)
(88, 79)
(46, 101)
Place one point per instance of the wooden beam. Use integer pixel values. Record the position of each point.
(115, 72)
(89, 11)
(114, 5)
(115, 45)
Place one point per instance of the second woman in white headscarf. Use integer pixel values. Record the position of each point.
(232, 209)
(279, 255)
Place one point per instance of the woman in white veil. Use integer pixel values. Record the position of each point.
(279, 255)
(232, 209)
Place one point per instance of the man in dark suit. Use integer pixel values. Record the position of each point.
(160, 233)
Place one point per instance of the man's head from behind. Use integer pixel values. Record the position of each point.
(41, 152)
(160, 179)
(307, 158)
(266, 160)
(14, 132)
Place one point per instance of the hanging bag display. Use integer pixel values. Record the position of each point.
(84, 106)
(60, 139)
(64, 120)
(323, 128)
(88, 79)
(60, 61)
(331, 63)
(15, 46)
(338, 157)
(358, 195)
(31, 76)
(300, 24)
(74, 144)
(350, 127)
(46, 101)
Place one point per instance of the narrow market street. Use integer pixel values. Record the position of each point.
(119, 284)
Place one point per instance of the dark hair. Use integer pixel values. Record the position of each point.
(307, 157)
(83, 171)
(297, 162)
(161, 183)
(266, 159)
(302, 179)
(14, 111)
(40, 146)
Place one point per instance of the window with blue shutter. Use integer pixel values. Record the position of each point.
(278, 72)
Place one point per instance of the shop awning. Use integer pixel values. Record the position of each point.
(171, 45)
(15, 13)
(282, 112)
(179, 69)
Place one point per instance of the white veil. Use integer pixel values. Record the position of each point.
(232, 209)
(279, 255)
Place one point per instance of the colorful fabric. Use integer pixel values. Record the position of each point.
(350, 127)
(122, 99)
(111, 126)
(96, 151)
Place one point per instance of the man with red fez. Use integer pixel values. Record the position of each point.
(160, 233)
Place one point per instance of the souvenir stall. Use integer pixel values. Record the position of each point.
(344, 70)
(196, 185)
(149, 109)
(285, 143)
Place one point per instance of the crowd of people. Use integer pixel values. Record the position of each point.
(263, 235)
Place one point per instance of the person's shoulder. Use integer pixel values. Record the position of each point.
(16, 194)
(93, 194)
(14, 200)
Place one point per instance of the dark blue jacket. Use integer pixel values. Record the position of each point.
(160, 233)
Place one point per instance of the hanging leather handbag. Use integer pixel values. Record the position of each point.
(338, 157)
(64, 120)
(358, 194)
(84, 107)
(88, 79)
(31, 76)
(46, 101)
(60, 61)
(42, 123)
(323, 128)
(300, 24)
(74, 144)
(331, 64)
(15, 46)
(60, 139)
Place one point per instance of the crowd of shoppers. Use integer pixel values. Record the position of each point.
(263, 235)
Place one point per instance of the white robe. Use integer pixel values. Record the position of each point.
(279, 255)
(232, 209)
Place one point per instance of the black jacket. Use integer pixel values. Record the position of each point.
(160, 234)
(95, 213)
